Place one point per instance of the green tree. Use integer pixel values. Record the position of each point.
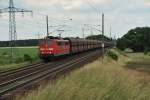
(98, 37)
(137, 39)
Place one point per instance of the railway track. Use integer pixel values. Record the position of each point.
(7, 76)
(18, 69)
(42, 72)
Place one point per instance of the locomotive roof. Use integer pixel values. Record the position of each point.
(79, 39)
(55, 38)
(71, 39)
(51, 37)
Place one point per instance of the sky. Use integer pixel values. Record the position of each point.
(73, 16)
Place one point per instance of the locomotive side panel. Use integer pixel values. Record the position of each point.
(62, 48)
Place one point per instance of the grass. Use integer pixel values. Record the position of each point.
(149, 54)
(32, 51)
(7, 62)
(139, 62)
(110, 80)
(13, 66)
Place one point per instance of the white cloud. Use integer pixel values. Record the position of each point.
(66, 4)
(122, 15)
(147, 3)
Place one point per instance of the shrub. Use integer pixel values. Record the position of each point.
(5, 53)
(146, 51)
(35, 58)
(19, 60)
(112, 55)
(128, 50)
(28, 58)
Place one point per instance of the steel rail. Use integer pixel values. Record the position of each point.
(46, 73)
(24, 66)
(4, 73)
(44, 68)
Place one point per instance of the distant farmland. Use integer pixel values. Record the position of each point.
(6, 62)
(31, 42)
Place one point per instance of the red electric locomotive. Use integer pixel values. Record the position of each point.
(52, 47)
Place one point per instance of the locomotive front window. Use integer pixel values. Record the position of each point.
(59, 43)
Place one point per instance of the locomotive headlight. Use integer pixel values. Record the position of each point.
(51, 49)
(42, 49)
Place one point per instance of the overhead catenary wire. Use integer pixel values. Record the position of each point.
(93, 7)
(41, 22)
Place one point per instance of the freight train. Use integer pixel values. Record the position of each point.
(52, 47)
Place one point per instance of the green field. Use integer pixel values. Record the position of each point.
(125, 79)
(7, 62)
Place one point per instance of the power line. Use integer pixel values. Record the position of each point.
(52, 18)
(47, 24)
(93, 7)
(12, 22)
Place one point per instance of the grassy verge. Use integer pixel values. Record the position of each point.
(7, 62)
(110, 80)
(13, 66)
(149, 53)
(139, 62)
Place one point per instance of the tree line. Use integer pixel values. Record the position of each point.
(137, 39)
(98, 37)
(31, 42)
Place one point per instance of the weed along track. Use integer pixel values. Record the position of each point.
(17, 73)
(21, 79)
(8, 72)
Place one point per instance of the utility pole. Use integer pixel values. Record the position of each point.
(60, 32)
(38, 37)
(91, 31)
(12, 10)
(47, 24)
(110, 33)
(115, 40)
(83, 33)
(103, 45)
